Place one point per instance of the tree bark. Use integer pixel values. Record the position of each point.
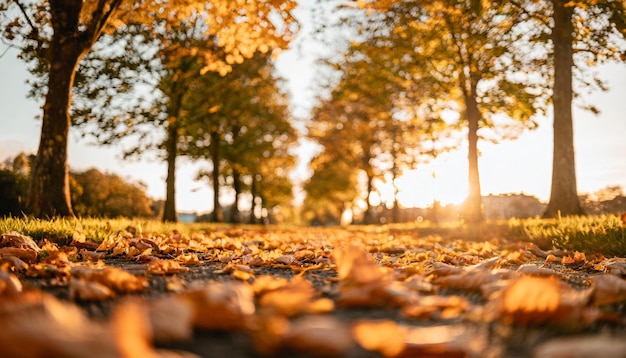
(171, 147)
(564, 193)
(49, 189)
(367, 215)
(235, 215)
(473, 205)
(216, 215)
(253, 193)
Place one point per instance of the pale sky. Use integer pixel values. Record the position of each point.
(523, 165)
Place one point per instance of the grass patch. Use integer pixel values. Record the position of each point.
(64, 230)
(590, 234)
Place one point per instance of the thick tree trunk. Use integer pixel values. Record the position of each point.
(564, 193)
(171, 146)
(217, 215)
(49, 190)
(473, 205)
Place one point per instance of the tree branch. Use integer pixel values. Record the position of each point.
(34, 31)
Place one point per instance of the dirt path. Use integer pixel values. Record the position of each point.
(320, 292)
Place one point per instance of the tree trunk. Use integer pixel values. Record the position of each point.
(564, 193)
(367, 216)
(235, 216)
(216, 215)
(171, 146)
(253, 193)
(49, 190)
(473, 205)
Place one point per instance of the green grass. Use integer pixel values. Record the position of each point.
(64, 230)
(590, 234)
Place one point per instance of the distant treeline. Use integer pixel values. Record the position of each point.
(93, 193)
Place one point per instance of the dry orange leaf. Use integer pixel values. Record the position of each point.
(83, 290)
(9, 284)
(116, 279)
(188, 259)
(221, 306)
(165, 267)
(608, 289)
(579, 258)
(468, 281)
(442, 307)
(291, 299)
(534, 270)
(438, 341)
(42, 326)
(585, 346)
(19, 241)
(538, 300)
(171, 319)
(27, 255)
(385, 337)
(444, 269)
(324, 335)
(12, 263)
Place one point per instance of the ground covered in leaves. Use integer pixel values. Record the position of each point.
(371, 292)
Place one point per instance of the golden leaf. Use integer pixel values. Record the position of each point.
(165, 267)
(9, 284)
(88, 290)
(171, 319)
(585, 346)
(221, 306)
(324, 335)
(608, 289)
(385, 337)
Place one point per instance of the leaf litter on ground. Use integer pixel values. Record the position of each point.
(293, 291)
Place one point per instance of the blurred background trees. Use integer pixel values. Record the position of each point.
(400, 83)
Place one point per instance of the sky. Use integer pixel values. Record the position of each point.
(520, 166)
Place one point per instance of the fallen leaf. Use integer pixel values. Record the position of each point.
(578, 259)
(534, 270)
(116, 279)
(437, 341)
(539, 300)
(290, 299)
(532, 298)
(42, 326)
(19, 241)
(171, 319)
(189, 259)
(584, 346)
(9, 284)
(83, 290)
(165, 267)
(444, 269)
(467, 281)
(385, 337)
(221, 306)
(323, 336)
(27, 255)
(608, 289)
(12, 263)
(436, 307)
